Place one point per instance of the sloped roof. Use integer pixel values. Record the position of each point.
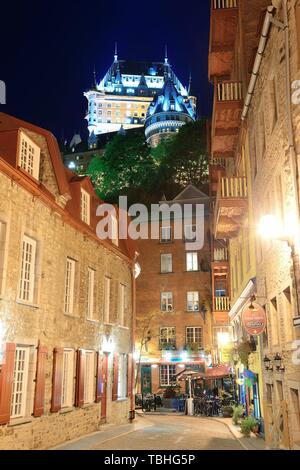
(169, 100)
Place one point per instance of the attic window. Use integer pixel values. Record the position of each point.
(29, 156)
(85, 207)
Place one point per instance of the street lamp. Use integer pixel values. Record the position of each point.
(268, 364)
(278, 363)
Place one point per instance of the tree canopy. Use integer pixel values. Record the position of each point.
(130, 167)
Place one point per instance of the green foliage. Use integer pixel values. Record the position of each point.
(238, 413)
(247, 425)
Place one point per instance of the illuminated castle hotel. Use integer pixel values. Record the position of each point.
(134, 94)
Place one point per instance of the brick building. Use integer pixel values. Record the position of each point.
(254, 65)
(66, 299)
(174, 323)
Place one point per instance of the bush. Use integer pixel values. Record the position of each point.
(248, 425)
(227, 411)
(238, 413)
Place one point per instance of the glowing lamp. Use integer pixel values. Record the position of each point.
(270, 228)
(168, 356)
(136, 355)
(184, 356)
(108, 345)
(223, 339)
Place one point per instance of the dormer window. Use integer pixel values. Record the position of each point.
(29, 156)
(85, 207)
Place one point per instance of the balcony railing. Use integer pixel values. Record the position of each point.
(222, 304)
(170, 346)
(229, 91)
(222, 4)
(234, 187)
(220, 254)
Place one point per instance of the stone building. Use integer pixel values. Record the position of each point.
(174, 323)
(254, 65)
(66, 299)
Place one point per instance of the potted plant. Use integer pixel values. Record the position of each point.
(238, 413)
(248, 425)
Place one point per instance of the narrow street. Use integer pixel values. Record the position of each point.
(161, 432)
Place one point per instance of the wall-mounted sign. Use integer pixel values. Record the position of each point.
(296, 321)
(254, 319)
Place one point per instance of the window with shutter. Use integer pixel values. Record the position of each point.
(68, 373)
(80, 376)
(122, 376)
(39, 396)
(6, 382)
(57, 378)
(115, 377)
(20, 382)
(89, 377)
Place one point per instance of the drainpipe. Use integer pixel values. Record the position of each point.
(258, 59)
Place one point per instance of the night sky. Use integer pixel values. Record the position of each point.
(49, 49)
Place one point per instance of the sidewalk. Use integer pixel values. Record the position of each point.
(249, 443)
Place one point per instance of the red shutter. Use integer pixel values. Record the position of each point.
(129, 374)
(99, 378)
(58, 358)
(80, 372)
(42, 355)
(115, 377)
(6, 382)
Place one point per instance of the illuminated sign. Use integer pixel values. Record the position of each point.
(254, 320)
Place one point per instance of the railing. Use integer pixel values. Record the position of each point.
(170, 346)
(222, 4)
(222, 304)
(218, 162)
(229, 91)
(220, 254)
(234, 187)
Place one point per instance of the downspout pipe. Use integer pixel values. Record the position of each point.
(258, 59)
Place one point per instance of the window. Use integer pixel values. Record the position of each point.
(67, 392)
(165, 235)
(69, 286)
(193, 301)
(166, 375)
(122, 305)
(29, 156)
(122, 377)
(192, 261)
(91, 294)
(20, 382)
(167, 338)
(288, 314)
(106, 299)
(166, 263)
(274, 320)
(89, 377)
(114, 228)
(27, 277)
(2, 253)
(190, 233)
(85, 207)
(166, 303)
(194, 336)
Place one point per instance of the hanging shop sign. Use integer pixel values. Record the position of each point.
(254, 319)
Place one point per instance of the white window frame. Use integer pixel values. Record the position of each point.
(106, 299)
(166, 263)
(69, 286)
(190, 233)
(169, 337)
(166, 298)
(27, 271)
(91, 294)
(89, 377)
(122, 376)
(192, 330)
(85, 206)
(192, 265)
(193, 297)
(68, 374)
(29, 156)
(163, 237)
(19, 392)
(122, 293)
(3, 229)
(165, 373)
(114, 229)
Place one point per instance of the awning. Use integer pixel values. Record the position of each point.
(214, 373)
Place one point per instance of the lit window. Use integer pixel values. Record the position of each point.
(193, 301)
(166, 302)
(85, 207)
(20, 382)
(89, 377)
(192, 261)
(67, 392)
(122, 377)
(69, 286)
(167, 375)
(27, 277)
(167, 338)
(91, 294)
(29, 156)
(194, 336)
(166, 263)
(190, 233)
(106, 303)
(165, 234)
